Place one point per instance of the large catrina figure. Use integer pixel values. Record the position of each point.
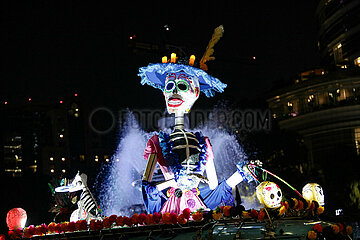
(183, 156)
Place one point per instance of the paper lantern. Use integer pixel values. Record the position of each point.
(269, 194)
(16, 218)
(313, 192)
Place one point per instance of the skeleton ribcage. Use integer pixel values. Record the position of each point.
(88, 202)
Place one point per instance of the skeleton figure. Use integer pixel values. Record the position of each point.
(87, 206)
(183, 156)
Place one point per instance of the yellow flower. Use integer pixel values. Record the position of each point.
(245, 214)
(312, 235)
(216, 215)
(282, 210)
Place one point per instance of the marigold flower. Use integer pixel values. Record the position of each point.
(71, 227)
(318, 227)
(320, 210)
(198, 216)
(51, 227)
(226, 211)
(341, 227)
(166, 218)
(81, 225)
(217, 215)
(142, 218)
(312, 235)
(261, 215)
(64, 226)
(282, 210)
(157, 217)
(128, 221)
(112, 218)
(187, 212)
(106, 222)
(254, 213)
(134, 219)
(173, 218)
(246, 214)
(149, 219)
(349, 230)
(181, 219)
(58, 228)
(120, 221)
(335, 229)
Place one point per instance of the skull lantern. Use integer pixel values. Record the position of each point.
(269, 194)
(313, 192)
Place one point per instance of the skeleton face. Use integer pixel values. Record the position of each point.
(181, 91)
(269, 194)
(313, 192)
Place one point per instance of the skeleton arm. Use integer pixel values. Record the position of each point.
(149, 172)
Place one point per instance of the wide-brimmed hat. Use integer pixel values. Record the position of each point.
(155, 76)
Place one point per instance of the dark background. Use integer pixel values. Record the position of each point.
(50, 50)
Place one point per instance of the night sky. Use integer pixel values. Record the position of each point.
(53, 49)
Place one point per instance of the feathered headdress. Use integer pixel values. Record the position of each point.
(218, 33)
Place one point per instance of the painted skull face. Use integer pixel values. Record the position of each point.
(313, 192)
(181, 91)
(269, 194)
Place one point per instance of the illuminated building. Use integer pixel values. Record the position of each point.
(49, 138)
(339, 32)
(323, 104)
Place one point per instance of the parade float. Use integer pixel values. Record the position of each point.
(189, 202)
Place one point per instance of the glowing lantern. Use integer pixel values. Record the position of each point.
(16, 218)
(313, 192)
(269, 194)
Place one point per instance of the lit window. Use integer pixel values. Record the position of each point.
(311, 98)
(357, 61)
(357, 140)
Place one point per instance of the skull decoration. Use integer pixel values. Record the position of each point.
(313, 192)
(269, 194)
(181, 91)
